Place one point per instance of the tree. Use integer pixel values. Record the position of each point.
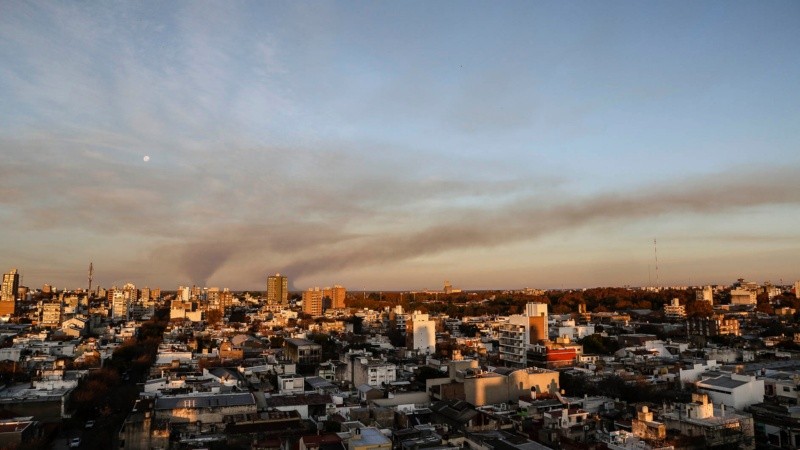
(699, 308)
(468, 329)
(213, 316)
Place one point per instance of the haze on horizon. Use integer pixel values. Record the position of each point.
(395, 145)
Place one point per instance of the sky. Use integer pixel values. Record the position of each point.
(396, 145)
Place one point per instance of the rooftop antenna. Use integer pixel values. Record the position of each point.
(91, 273)
(655, 252)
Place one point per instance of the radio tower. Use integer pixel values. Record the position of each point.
(91, 272)
(655, 252)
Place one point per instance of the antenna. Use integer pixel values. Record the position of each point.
(655, 252)
(91, 273)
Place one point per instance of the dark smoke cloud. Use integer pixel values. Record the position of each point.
(526, 220)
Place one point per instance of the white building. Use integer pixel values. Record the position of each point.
(422, 331)
(575, 332)
(733, 390)
(697, 370)
(119, 306)
(514, 341)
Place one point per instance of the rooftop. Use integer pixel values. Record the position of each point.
(204, 401)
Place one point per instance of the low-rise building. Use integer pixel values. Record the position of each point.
(717, 427)
(733, 390)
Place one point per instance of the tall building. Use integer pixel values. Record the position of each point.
(119, 305)
(312, 301)
(8, 293)
(225, 299)
(336, 294)
(513, 341)
(10, 286)
(521, 332)
(538, 327)
(278, 290)
(421, 333)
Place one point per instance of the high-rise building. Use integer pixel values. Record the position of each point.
(521, 332)
(539, 328)
(278, 290)
(336, 294)
(10, 286)
(119, 305)
(8, 293)
(421, 333)
(312, 301)
(225, 299)
(797, 289)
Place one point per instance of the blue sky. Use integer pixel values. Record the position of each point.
(393, 145)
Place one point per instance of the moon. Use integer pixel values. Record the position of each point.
(146, 158)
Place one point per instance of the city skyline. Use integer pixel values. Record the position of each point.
(392, 146)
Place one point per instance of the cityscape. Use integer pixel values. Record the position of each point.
(352, 225)
(656, 367)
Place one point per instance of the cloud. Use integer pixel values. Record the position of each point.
(525, 220)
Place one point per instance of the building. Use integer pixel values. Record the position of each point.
(277, 290)
(371, 371)
(521, 332)
(539, 328)
(421, 333)
(674, 310)
(13, 432)
(733, 390)
(513, 343)
(119, 306)
(777, 425)
(312, 301)
(302, 351)
(743, 297)
(717, 325)
(644, 427)
(8, 293)
(52, 314)
(706, 294)
(368, 438)
(552, 355)
(486, 388)
(205, 411)
(716, 427)
(336, 294)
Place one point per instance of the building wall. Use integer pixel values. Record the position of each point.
(312, 301)
(493, 388)
(422, 332)
(740, 397)
(277, 290)
(205, 415)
